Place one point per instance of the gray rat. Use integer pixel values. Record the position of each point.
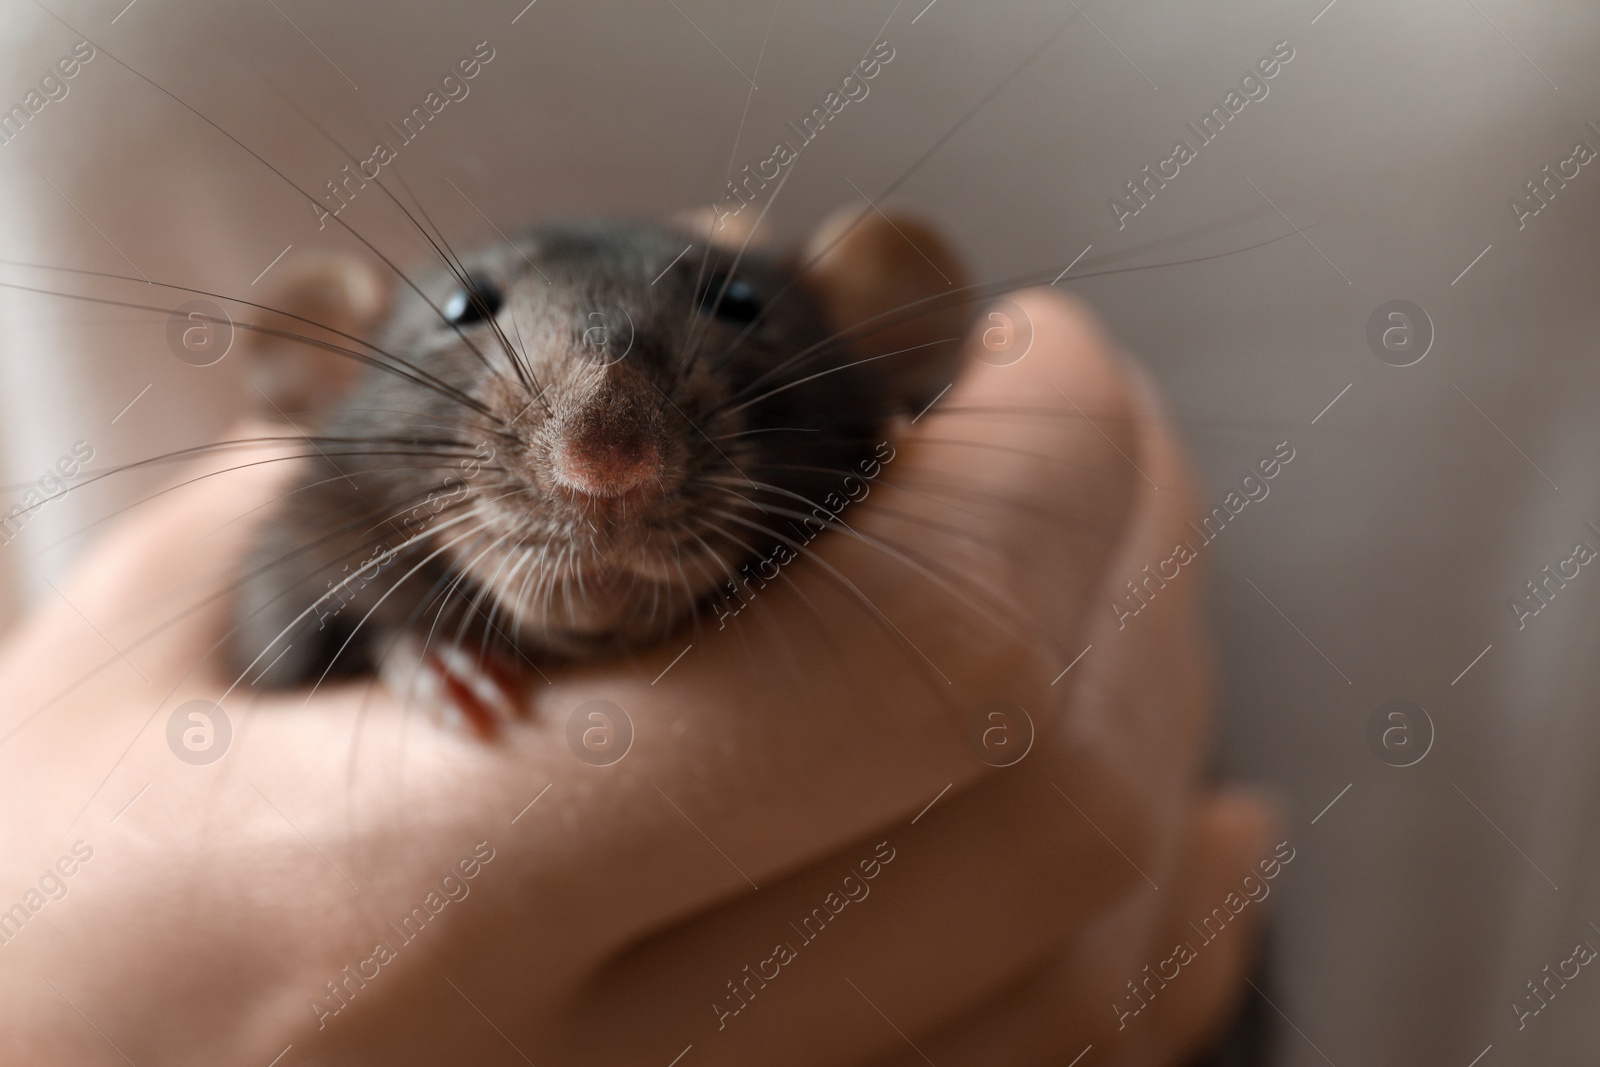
(567, 444)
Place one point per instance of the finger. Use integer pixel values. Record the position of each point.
(983, 888)
(781, 765)
(1232, 864)
(1005, 870)
(1084, 997)
(740, 773)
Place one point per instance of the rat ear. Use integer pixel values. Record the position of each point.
(331, 295)
(877, 266)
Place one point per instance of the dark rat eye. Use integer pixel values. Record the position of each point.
(739, 304)
(479, 300)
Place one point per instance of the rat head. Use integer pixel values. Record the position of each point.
(651, 411)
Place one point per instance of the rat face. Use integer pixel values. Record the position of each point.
(569, 442)
(658, 415)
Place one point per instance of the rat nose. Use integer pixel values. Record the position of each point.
(605, 452)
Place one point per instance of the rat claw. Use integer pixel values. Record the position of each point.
(459, 689)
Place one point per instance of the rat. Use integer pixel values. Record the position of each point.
(567, 444)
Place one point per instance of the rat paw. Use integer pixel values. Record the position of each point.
(459, 688)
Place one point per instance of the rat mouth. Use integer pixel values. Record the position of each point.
(612, 507)
(635, 589)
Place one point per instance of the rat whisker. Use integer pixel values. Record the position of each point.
(916, 165)
(786, 386)
(483, 588)
(975, 294)
(397, 367)
(823, 630)
(960, 495)
(838, 576)
(768, 429)
(404, 278)
(914, 561)
(87, 527)
(458, 270)
(335, 591)
(728, 276)
(392, 589)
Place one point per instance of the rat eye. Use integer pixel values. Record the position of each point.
(739, 304)
(479, 300)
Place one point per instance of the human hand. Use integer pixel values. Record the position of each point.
(604, 923)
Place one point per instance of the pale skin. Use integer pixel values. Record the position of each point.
(779, 752)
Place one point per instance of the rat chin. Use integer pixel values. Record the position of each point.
(581, 607)
(605, 612)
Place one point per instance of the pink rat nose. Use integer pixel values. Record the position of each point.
(602, 456)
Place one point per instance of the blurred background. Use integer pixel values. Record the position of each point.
(1446, 845)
